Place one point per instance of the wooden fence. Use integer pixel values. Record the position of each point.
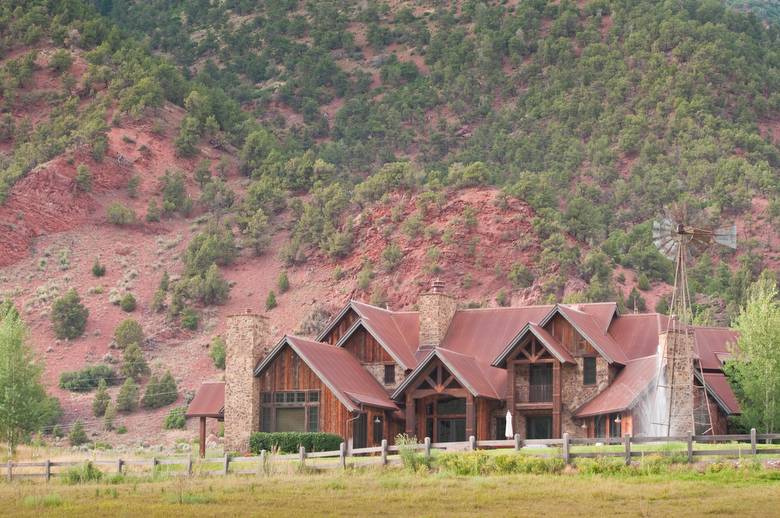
(743, 445)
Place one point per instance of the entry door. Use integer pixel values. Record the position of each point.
(360, 432)
(538, 427)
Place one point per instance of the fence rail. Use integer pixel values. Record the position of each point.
(379, 455)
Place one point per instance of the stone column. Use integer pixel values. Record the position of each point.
(678, 347)
(247, 341)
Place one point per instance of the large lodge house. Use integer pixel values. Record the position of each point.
(449, 373)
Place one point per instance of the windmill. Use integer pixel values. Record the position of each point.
(676, 397)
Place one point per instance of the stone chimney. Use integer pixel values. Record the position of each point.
(247, 341)
(436, 312)
(677, 347)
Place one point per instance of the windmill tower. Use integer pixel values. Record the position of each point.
(681, 406)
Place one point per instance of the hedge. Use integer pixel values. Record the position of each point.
(290, 442)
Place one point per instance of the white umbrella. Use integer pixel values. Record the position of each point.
(508, 431)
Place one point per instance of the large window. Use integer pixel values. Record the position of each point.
(290, 411)
(589, 370)
(446, 419)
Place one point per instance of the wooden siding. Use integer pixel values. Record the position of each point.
(341, 328)
(366, 349)
(565, 333)
(288, 372)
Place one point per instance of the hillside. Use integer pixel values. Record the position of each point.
(517, 150)
(765, 9)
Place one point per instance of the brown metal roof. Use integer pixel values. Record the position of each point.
(711, 341)
(719, 386)
(625, 391)
(397, 331)
(209, 401)
(341, 372)
(594, 331)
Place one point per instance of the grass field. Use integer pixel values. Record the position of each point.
(399, 493)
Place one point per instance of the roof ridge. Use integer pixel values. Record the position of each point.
(531, 306)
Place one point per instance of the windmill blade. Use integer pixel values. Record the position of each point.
(726, 236)
(669, 248)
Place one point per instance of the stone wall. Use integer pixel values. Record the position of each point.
(574, 394)
(377, 370)
(247, 341)
(436, 311)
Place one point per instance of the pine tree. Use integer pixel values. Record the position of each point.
(270, 301)
(102, 399)
(127, 399)
(283, 283)
(109, 417)
(129, 331)
(77, 435)
(134, 365)
(69, 316)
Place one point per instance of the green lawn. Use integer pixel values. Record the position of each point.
(398, 493)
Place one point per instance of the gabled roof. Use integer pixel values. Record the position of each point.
(478, 380)
(593, 330)
(548, 341)
(396, 331)
(719, 388)
(209, 400)
(341, 372)
(712, 342)
(623, 393)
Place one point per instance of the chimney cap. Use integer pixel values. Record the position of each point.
(437, 286)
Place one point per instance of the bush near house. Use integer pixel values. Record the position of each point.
(290, 442)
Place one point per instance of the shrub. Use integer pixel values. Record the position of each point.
(69, 316)
(109, 416)
(153, 211)
(98, 270)
(119, 214)
(410, 455)
(102, 399)
(520, 276)
(127, 399)
(87, 378)
(290, 442)
(160, 392)
(132, 186)
(60, 61)
(217, 352)
(391, 257)
(134, 365)
(202, 173)
(502, 298)
(365, 275)
(83, 474)
(642, 282)
(129, 331)
(121, 430)
(270, 301)
(175, 420)
(283, 283)
(189, 319)
(77, 435)
(211, 288)
(127, 303)
(83, 178)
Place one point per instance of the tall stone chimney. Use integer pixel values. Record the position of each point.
(436, 312)
(247, 341)
(677, 346)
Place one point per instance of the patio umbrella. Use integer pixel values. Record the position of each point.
(508, 431)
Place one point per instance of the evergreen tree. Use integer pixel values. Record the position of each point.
(127, 399)
(270, 301)
(217, 352)
(283, 283)
(77, 435)
(102, 399)
(203, 173)
(134, 365)
(109, 417)
(24, 405)
(83, 178)
(69, 315)
(129, 331)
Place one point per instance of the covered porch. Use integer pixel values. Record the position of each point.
(209, 402)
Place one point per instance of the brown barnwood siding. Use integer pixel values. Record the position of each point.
(341, 328)
(366, 349)
(565, 333)
(289, 372)
(484, 412)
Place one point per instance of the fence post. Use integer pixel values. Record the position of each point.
(517, 442)
(189, 466)
(627, 444)
(427, 443)
(10, 470)
(302, 454)
(472, 443)
(119, 466)
(753, 449)
(227, 462)
(343, 455)
(566, 448)
(690, 448)
(263, 460)
(47, 470)
(154, 464)
(384, 452)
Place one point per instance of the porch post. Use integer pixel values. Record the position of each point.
(470, 416)
(510, 392)
(556, 402)
(202, 437)
(410, 415)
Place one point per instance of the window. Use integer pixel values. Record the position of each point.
(389, 374)
(290, 411)
(589, 370)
